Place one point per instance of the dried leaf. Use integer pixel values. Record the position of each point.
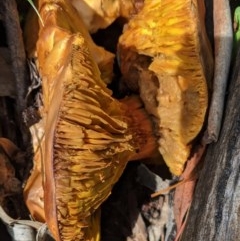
(184, 193)
(9, 184)
(9, 147)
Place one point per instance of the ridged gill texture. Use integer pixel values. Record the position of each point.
(171, 35)
(88, 136)
(87, 144)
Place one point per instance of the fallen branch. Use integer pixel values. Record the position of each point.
(223, 40)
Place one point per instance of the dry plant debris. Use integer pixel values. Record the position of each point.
(183, 195)
(9, 184)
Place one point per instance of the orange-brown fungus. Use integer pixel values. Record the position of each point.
(88, 136)
(64, 15)
(172, 80)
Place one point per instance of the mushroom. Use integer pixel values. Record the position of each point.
(88, 137)
(165, 55)
(68, 18)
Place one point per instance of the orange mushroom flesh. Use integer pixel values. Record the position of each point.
(164, 54)
(88, 136)
(99, 14)
(64, 15)
(33, 190)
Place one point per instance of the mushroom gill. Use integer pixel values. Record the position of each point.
(88, 136)
(166, 47)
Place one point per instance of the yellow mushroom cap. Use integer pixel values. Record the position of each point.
(172, 35)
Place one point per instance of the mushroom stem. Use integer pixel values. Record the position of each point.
(142, 129)
(223, 40)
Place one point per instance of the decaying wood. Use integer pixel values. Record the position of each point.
(214, 214)
(7, 81)
(17, 50)
(10, 15)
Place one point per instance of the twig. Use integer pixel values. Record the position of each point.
(223, 40)
(168, 189)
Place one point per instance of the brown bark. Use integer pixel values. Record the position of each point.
(215, 211)
(10, 17)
